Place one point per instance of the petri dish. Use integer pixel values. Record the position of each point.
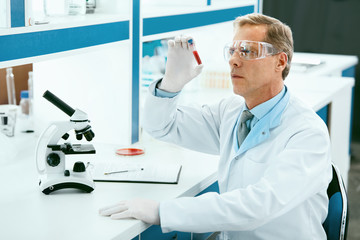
(130, 151)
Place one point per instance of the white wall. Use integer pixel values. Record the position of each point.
(97, 82)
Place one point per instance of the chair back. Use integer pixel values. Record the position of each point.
(336, 222)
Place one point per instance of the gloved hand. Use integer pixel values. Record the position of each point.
(143, 209)
(181, 66)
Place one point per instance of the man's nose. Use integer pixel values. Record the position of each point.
(235, 60)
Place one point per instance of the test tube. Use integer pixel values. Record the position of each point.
(196, 54)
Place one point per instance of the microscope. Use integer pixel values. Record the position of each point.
(54, 175)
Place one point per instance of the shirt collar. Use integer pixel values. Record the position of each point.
(259, 112)
(263, 108)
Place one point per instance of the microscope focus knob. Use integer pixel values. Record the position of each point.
(65, 136)
(79, 167)
(53, 159)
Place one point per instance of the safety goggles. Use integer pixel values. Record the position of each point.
(249, 50)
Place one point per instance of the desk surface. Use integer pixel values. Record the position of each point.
(333, 64)
(317, 92)
(26, 213)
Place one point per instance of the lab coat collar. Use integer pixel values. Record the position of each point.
(261, 131)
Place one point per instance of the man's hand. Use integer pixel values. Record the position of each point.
(142, 209)
(181, 67)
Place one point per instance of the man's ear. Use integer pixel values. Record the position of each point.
(282, 61)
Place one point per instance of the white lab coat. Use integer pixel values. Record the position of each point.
(274, 190)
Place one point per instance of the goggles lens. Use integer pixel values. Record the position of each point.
(249, 50)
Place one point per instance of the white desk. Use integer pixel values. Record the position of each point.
(26, 213)
(333, 64)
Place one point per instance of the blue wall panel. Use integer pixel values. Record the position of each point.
(17, 11)
(135, 72)
(46, 42)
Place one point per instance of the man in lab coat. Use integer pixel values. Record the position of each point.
(274, 166)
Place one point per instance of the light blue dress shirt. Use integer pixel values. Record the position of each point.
(259, 112)
(164, 94)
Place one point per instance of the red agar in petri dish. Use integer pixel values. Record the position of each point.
(130, 151)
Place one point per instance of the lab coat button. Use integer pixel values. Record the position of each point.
(263, 133)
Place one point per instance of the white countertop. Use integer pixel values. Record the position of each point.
(317, 91)
(27, 213)
(332, 64)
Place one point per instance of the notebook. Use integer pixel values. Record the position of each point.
(112, 171)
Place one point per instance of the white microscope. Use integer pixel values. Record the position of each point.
(54, 175)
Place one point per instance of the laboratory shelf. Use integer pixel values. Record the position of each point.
(150, 9)
(29, 42)
(155, 25)
(69, 21)
(81, 20)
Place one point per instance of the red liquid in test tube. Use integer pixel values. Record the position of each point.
(196, 54)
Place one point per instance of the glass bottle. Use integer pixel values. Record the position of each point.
(10, 82)
(24, 102)
(90, 6)
(25, 119)
(77, 7)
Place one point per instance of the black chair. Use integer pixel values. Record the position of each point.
(337, 220)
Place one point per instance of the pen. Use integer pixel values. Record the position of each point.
(124, 171)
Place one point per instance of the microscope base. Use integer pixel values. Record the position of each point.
(53, 182)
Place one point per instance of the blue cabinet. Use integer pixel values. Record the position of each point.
(154, 232)
(323, 113)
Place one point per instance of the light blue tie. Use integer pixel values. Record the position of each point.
(243, 130)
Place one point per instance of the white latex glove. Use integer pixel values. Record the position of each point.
(181, 66)
(143, 209)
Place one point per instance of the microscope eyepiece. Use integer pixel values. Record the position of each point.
(58, 103)
(79, 116)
